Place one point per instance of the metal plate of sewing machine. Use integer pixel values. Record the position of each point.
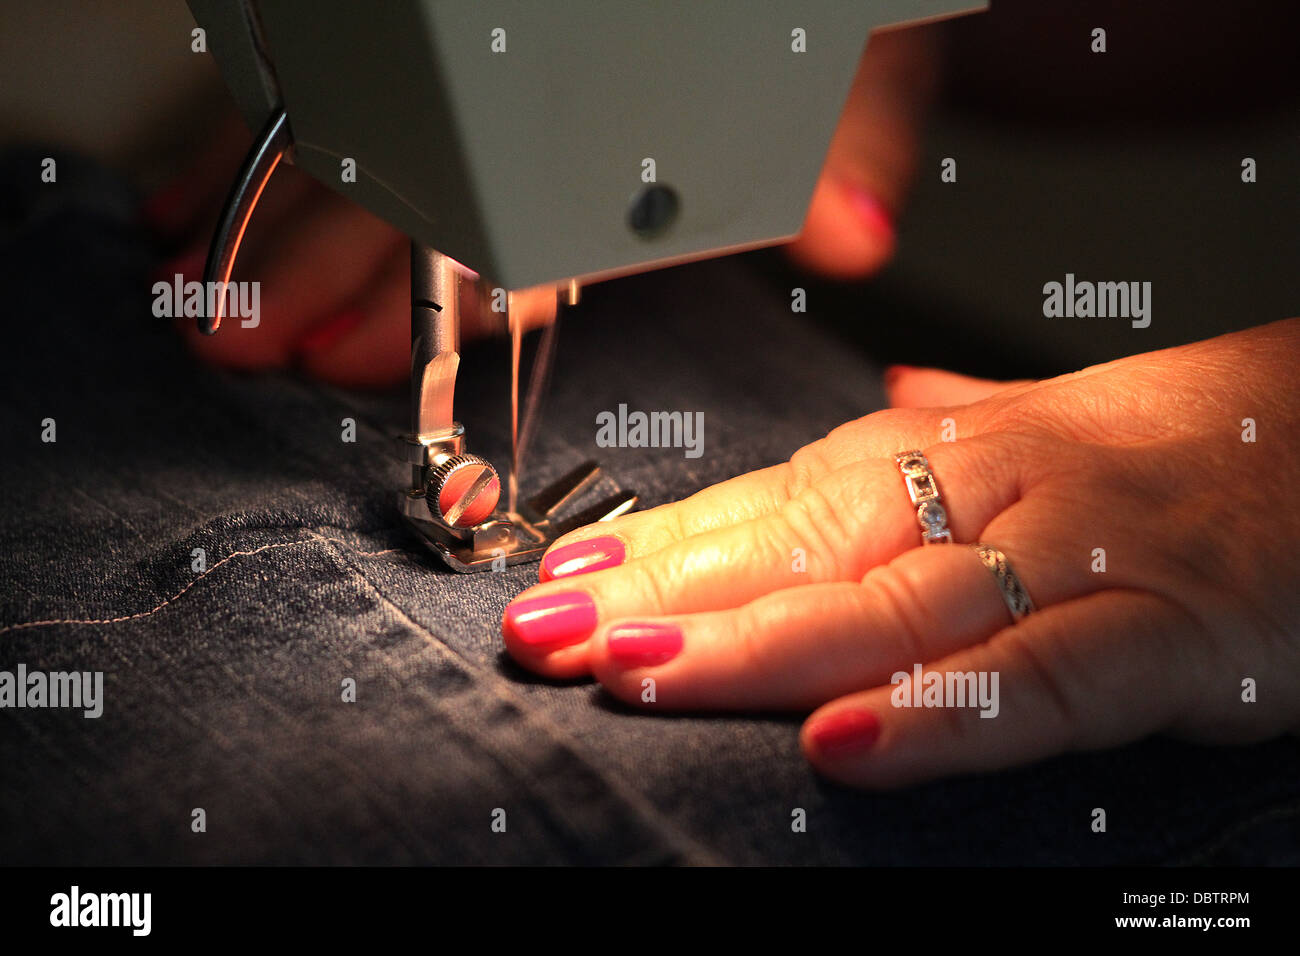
(514, 537)
(452, 500)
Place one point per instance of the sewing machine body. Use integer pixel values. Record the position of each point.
(531, 145)
(513, 135)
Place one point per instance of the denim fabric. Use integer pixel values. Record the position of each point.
(222, 690)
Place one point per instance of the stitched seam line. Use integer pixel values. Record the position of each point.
(636, 803)
(154, 610)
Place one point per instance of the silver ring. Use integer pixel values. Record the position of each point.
(1019, 603)
(923, 489)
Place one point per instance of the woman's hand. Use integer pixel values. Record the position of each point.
(1158, 544)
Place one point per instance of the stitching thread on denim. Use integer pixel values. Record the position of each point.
(678, 840)
(154, 610)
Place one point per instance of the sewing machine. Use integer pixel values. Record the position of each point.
(540, 146)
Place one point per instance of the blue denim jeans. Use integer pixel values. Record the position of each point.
(223, 686)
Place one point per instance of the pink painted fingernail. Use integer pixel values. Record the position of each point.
(582, 557)
(845, 732)
(321, 337)
(551, 621)
(871, 212)
(645, 644)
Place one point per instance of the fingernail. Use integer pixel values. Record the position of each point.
(871, 212)
(554, 620)
(320, 338)
(845, 732)
(645, 644)
(582, 557)
(894, 373)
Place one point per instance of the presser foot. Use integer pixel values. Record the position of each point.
(441, 509)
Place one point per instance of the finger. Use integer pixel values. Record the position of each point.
(1090, 673)
(909, 387)
(321, 263)
(849, 231)
(744, 498)
(289, 198)
(610, 543)
(834, 530)
(798, 648)
(281, 199)
(369, 346)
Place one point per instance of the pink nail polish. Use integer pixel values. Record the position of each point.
(321, 337)
(551, 621)
(645, 644)
(582, 557)
(871, 212)
(845, 732)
